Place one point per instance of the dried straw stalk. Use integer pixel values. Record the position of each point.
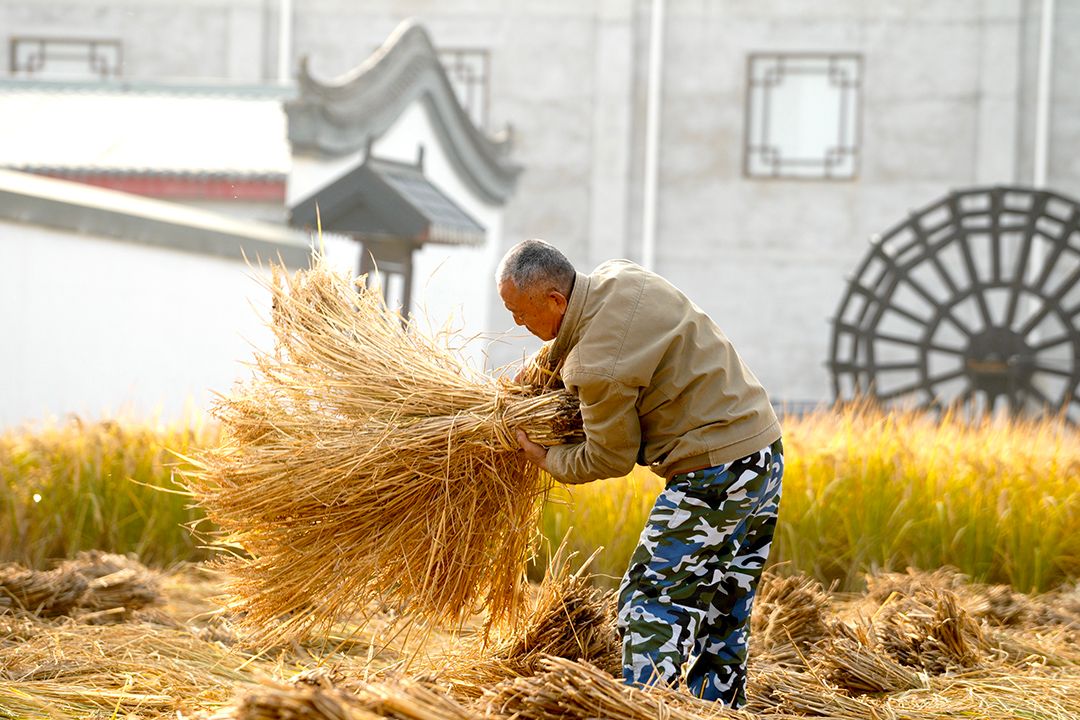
(568, 689)
(788, 617)
(367, 463)
(95, 587)
(403, 699)
(568, 618)
(72, 669)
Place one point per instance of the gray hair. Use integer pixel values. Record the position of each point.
(534, 263)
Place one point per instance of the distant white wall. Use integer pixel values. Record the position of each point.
(94, 326)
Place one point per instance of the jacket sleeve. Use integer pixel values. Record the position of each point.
(612, 431)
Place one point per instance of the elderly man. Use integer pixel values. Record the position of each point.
(659, 384)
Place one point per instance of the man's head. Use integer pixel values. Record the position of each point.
(535, 281)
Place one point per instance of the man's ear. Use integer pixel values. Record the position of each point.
(558, 300)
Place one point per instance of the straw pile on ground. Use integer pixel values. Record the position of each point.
(402, 698)
(96, 586)
(365, 463)
(567, 618)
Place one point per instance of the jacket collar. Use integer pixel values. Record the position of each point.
(569, 332)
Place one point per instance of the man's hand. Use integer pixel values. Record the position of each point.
(536, 454)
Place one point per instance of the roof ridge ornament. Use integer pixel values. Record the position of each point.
(342, 115)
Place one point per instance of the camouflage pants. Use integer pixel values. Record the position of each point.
(689, 589)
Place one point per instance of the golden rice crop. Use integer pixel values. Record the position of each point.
(868, 490)
(97, 485)
(366, 463)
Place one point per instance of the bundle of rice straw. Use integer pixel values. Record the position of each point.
(569, 689)
(568, 618)
(365, 463)
(46, 593)
(930, 630)
(788, 616)
(115, 582)
(403, 699)
(852, 659)
(778, 691)
(94, 583)
(882, 586)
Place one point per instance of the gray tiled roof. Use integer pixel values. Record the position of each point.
(95, 211)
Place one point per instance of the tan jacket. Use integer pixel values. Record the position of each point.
(658, 382)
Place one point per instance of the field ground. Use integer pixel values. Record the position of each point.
(911, 646)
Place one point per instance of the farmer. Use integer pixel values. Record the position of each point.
(659, 384)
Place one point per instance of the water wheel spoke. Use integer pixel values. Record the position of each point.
(1051, 370)
(1051, 302)
(977, 288)
(952, 375)
(1053, 342)
(1033, 389)
(914, 342)
(921, 385)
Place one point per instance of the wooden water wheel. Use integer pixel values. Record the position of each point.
(973, 302)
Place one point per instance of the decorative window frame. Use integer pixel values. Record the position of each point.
(762, 154)
(104, 57)
(469, 72)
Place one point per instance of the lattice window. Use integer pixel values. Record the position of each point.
(469, 71)
(49, 57)
(803, 115)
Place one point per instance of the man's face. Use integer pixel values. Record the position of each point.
(540, 312)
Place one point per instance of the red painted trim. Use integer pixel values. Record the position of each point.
(179, 187)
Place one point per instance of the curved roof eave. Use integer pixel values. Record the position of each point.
(341, 116)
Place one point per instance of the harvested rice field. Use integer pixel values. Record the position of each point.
(101, 636)
(363, 493)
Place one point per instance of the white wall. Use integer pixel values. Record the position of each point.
(93, 326)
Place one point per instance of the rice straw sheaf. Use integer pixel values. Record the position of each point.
(851, 658)
(783, 692)
(367, 463)
(789, 616)
(569, 689)
(95, 587)
(46, 593)
(115, 582)
(929, 630)
(568, 618)
(401, 698)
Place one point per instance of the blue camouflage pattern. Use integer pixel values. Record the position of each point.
(686, 598)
